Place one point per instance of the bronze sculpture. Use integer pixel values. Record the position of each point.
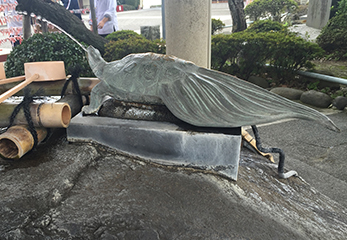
(196, 95)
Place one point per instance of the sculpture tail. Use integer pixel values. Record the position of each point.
(214, 99)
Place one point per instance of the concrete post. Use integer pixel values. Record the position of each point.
(188, 30)
(318, 13)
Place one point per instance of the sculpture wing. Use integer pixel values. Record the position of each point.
(214, 99)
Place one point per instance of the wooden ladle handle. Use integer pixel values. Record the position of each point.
(11, 80)
(17, 88)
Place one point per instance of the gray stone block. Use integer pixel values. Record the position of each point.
(161, 142)
(340, 102)
(317, 99)
(290, 93)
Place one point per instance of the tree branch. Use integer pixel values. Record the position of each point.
(58, 15)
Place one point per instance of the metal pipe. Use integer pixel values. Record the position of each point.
(323, 77)
(163, 18)
(320, 76)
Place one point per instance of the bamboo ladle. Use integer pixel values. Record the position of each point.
(35, 71)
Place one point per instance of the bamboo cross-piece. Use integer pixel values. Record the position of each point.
(12, 80)
(17, 88)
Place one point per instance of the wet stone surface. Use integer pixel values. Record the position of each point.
(87, 191)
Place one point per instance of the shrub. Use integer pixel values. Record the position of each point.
(255, 10)
(123, 34)
(342, 7)
(224, 47)
(260, 8)
(125, 42)
(217, 25)
(333, 37)
(47, 47)
(293, 53)
(250, 51)
(115, 50)
(266, 26)
(338, 7)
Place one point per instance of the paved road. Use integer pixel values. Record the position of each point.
(316, 153)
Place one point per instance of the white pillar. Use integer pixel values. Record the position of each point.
(188, 30)
(318, 13)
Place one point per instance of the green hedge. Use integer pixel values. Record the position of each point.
(333, 37)
(267, 26)
(217, 25)
(246, 53)
(126, 42)
(261, 8)
(123, 34)
(47, 47)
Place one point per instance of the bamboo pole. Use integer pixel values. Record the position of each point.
(49, 115)
(12, 80)
(17, 88)
(17, 141)
(74, 103)
(53, 88)
(2, 71)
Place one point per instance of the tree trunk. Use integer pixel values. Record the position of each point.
(26, 26)
(58, 15)
(238, 15)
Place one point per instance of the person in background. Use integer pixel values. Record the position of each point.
(73, 6)
(105, 12)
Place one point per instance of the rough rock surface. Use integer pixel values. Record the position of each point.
(290, 93)
(86, 191)
(317, 99)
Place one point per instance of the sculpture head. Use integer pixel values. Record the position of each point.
(96, 62)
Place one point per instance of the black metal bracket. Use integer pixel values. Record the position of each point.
(273, 150)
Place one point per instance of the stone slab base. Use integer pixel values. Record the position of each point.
(161, 142)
